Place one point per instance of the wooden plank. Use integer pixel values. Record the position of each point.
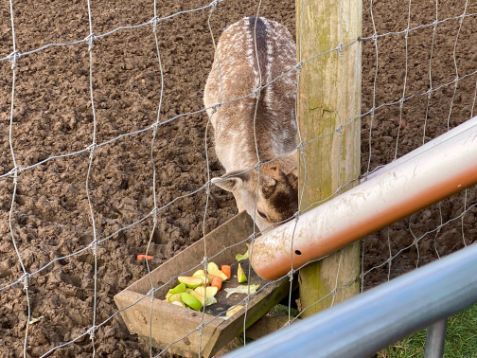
(328, 110)
(169, 322)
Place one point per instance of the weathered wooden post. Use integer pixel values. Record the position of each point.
(328, 111)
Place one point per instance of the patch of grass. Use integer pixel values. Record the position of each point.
(461, 339)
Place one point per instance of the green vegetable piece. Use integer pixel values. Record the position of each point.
(206, 295)
(173, 297)
(241, 277)
(178, 289)
(190, 301)
(241, 257)
(205, 301)
(191, 282)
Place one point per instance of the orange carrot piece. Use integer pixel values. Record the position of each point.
(216, 282)
(227, 270)
(143, 257)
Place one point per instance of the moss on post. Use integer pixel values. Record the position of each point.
(328, 111)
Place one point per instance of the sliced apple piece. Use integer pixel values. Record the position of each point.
(241, 277)
(214, 270)
(173, 297)
(191, 282)
(206, 295)
(178, 289)
(191, 301)
(202, 275)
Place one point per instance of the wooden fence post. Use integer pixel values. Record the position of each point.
(328, 112)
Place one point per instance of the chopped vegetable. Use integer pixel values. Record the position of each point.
(191, 301)
(206, 295)
(143, 257)
(178, 289)
(173, 297)
(241, 277)
(199, 289)
(241, 257)
(227, 270)
(242, 289)
(213, 269)
(216, 282)
(191, 282)
(233, 310)
(202, 275)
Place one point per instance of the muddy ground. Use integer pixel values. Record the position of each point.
(53, 117)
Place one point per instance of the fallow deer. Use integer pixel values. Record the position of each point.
(250, 99)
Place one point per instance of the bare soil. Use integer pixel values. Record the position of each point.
(53, 117)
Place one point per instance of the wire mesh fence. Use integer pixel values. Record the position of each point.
(107, 152)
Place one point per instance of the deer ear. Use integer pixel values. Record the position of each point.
(267, 185)
(230, 181)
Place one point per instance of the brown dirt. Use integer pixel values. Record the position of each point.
(53, 116)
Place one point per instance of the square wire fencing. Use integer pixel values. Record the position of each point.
(106, 155)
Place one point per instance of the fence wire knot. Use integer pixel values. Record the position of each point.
(401, 102)
(90, 332)
(89, 40)
(214, 3)
(340, 48)
(215, 108)
(204, 261)
(94, 247)
(25, 279)
(429, 92)
(256, 91)
(13, 57)
(154, 21)
(91, 147)
(151, 292)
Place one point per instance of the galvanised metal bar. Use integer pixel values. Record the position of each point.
(446, 165)
(375, 319)
(425, 147)
(435, 341)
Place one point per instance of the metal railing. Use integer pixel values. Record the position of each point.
(381, 316)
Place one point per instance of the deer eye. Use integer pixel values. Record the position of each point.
(262, 215)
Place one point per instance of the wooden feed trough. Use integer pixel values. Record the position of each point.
(177, 328)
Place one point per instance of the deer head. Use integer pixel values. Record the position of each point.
(268, 193)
